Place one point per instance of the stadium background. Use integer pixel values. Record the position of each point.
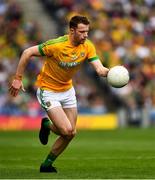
(123, 32)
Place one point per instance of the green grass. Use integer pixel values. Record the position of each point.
(128, 153)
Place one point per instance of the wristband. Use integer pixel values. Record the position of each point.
(18, 77)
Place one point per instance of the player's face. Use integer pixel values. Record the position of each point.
(80, 33)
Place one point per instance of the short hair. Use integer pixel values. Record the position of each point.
(75, 20)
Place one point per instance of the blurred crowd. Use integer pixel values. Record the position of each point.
(15, 35)
(123, 32)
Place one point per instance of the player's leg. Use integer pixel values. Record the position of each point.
(62, 141)
(64, 121)
(69, 110)
(64, 126)
(72, 116)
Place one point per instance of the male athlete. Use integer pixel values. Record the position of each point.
(63, 57)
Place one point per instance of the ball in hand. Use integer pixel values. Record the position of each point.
(118, 76)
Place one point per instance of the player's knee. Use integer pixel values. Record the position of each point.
(66, 131)
(69, 135)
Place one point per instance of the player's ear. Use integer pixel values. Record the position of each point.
(72, 30)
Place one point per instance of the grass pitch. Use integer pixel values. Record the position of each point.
(116, 154)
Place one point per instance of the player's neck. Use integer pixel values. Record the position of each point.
(72, 40)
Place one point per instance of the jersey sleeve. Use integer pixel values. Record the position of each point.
(92, 56)
(46, 48)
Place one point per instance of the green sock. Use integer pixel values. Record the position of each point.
(49, 160)
(47, 123)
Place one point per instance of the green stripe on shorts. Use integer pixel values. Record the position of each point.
(42, 101)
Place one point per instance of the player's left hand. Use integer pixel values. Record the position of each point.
(15, 87)
(106, 70)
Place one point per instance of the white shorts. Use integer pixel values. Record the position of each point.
(49, 99)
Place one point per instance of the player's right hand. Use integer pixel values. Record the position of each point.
(15, 87)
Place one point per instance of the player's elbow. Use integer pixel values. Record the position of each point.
(26, 53)
(26, 56)
(32, 51)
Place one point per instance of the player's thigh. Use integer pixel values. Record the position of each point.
(60, 119)
(70, 106)
(72, 115)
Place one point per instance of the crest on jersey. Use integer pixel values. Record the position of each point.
(82, 54)
(74, 56)
(48, 103)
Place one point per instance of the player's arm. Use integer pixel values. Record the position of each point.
(24, 59)
(94, 60)
(99, 68)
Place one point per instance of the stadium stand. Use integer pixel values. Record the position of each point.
(15, 35)
(123, 32)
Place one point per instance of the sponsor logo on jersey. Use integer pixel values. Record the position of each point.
(68, 64)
